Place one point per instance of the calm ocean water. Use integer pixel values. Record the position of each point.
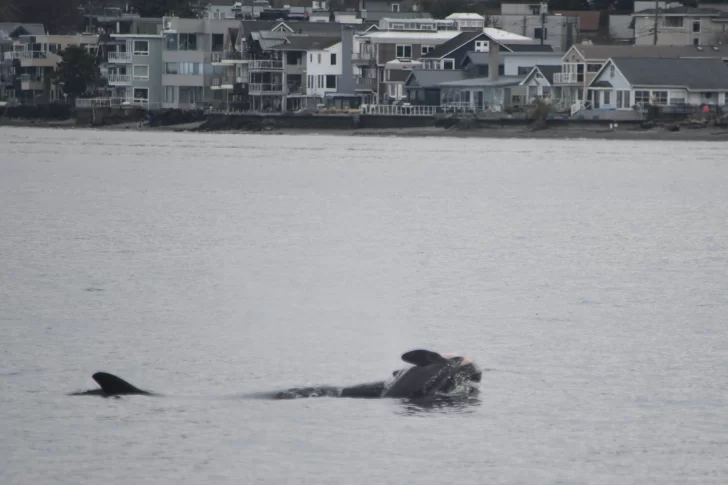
(589, 277)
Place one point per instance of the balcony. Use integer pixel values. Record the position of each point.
(264, 88)
(224, 82)
(566, 78)
(25, 55)
(365, 57)
(266, 65)
(119, 79)
(227, 58)
(119, 57)
(365, 82)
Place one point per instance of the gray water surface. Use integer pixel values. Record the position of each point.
(590, 277)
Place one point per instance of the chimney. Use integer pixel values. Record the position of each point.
(346, 81)
(493, 60)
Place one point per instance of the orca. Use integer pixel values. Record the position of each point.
(111, 385)
(431, 374)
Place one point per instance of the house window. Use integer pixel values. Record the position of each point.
(641, 97)
(171, 68)
(190, 68)
(141, 73)
(696, 41)
(696, 26)
(448, 64)
(169, 94)
(330, 81)
(538, 31)
(188, 42)
(673, 22)
(482, 46)
(309, 83)
(141, 48)
(659, 97)
(607, 97)
(623, 99)
(310, 58)
(426, 49)
(523, 71)
(141, 93)
(677, 97)
(404, 51)
(171, 42)
(319, 58)
(593, 67)
(333, 59)
(395, 8)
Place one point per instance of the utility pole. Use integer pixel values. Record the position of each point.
(654, 33)
(543, 10)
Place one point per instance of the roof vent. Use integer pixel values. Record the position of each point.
(715, 48)
(699, 47)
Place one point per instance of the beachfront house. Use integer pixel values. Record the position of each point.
(623, 83)
(582, 62)
(539, 83)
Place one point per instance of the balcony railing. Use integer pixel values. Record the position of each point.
(266, 64)
(119, 79)
(115, 103)
(566, 78)
(265, 88)
(364, 56)
(219, 57)
(395, 110)
(365, 81)
(223, 81)
(123, 57)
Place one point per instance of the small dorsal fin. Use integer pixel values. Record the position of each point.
(111, 384)
(422, 357)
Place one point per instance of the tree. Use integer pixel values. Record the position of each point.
(77, 72)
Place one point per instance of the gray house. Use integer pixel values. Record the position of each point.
(134, 69)
(187, 70)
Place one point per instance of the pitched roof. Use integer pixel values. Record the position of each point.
(548, 72)
(604, 52)
(32, 29)
(307, 42)
(314, 28)
(693, 74)
(453, 44)
(397, 75)
(525, 47)
(431, 78)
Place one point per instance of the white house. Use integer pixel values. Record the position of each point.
(625, 82)
(539, 82)
(323, 68)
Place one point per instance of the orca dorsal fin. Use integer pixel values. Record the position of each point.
(111, 384)
(422, 357)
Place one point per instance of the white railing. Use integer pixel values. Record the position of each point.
(365, 81)
(394, 110)
(265, 88)
(119, 79)
(363, 56)
(119, 57)
(576, 107)
(565, 78)
(115, 103)
(219, 57)
(266, 64)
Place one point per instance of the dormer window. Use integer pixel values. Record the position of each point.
(395, 8)
(482, 46)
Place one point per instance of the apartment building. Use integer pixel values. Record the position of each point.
(134, 69)
(187, 50)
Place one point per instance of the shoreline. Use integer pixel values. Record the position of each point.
(629, 133)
